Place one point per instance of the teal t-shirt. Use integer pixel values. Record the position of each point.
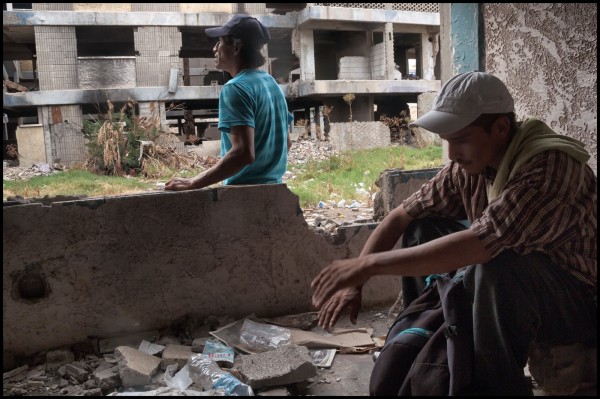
(253, 98)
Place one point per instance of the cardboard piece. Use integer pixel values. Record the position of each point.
(337, 339)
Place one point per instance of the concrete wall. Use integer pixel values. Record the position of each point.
(396, 185)
(547, 55)
(377, 61)
(354, 67)
(102, 7)
(106, 72)
(110, 266)
(30, 140)
(359, 135)
(158, 48)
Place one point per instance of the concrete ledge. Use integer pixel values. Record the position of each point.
(396, 185)
(111, 266)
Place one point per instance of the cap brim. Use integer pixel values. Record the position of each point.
(444, 123)
(216, 32)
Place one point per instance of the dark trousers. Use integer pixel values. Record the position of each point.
(517, 300)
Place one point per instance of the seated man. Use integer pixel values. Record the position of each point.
(530, 198)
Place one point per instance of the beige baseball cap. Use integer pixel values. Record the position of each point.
(462, 99)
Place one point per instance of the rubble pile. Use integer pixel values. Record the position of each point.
(11, 172)
(193, 357)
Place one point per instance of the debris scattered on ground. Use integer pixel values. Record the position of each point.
(159, 363)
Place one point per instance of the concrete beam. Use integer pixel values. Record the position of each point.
(324, 87)
(341, 87)
(113, 266)
(93, 96)
(315, 14)
(81, 18)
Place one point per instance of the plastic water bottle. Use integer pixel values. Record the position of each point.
(206, 372)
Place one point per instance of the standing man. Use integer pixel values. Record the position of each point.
(530, 199)
(253, 114)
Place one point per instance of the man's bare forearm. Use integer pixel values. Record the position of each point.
(389, 231)
(227, 166)
(442, 255)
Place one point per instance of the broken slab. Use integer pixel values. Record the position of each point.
(107, 379)
(136, 368)
(76, 371)
(109, 282)
(175, 354)
(133, 340)
(282, 366)
(396, 185)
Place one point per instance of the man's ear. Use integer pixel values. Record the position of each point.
(502, 126)
(237, 48)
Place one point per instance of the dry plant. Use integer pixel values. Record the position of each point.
(326, 113)
(12, 151)
(136, 143)
(160, 160)
(348, 98)
(111, 137)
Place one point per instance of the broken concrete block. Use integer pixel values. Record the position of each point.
(175, 354)
(77, 372)
(107, 379)
(136, 368)
(285, 365)
(12, 373)
(150, 348)
(132, 340)
(103, 366)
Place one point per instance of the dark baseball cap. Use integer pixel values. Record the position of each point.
(244, 27)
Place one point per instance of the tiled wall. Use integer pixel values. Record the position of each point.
(56, 48)
(158, 51)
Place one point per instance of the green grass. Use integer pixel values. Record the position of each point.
(74, 182)
(349, 176)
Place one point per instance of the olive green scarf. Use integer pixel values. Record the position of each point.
(532, 138)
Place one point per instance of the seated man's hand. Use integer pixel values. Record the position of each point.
(331, 310)
(179, 184)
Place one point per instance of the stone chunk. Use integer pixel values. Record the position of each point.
(107, 345)
(175, 354)
(107, 379)
(285, 365)
(77, 372)
(136, 368)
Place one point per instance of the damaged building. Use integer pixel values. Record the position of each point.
(63, 61)
(78, 274)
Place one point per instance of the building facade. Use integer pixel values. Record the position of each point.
(63, 61)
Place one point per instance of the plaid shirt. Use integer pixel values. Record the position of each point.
(549, 206)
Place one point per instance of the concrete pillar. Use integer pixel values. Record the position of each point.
(388, 39)
(461, 33)
(466, 33)
(307, 60)
(265, 53)
(427, 56)
(313, 127)
(321, 123)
